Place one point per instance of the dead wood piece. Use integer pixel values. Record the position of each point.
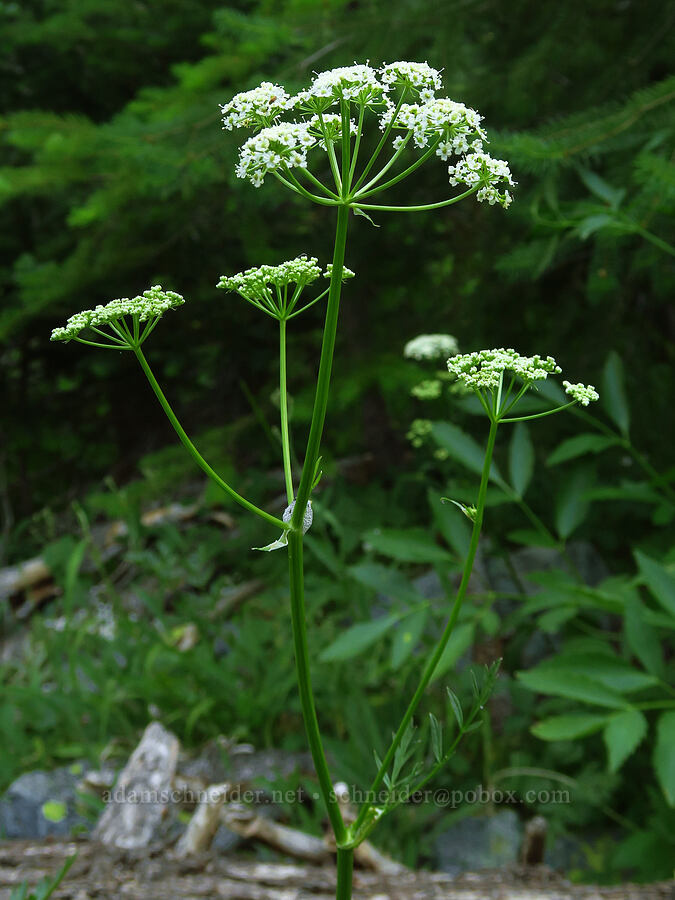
(248, 824)
(534, 842)
(204, 823)
(143, 792)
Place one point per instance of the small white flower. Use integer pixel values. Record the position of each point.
(582, 393)
(150, 305)
(431, 346)
(480, 169)
(255, 109)
(457, 125)
(278, 147)
(357, 84)
(419, 77)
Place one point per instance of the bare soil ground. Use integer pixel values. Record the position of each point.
(102, 874)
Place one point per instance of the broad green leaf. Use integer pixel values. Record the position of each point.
(456, 707)
(659, 581)
(572, 685)
(358, 638)
(579, 445)
(521, 459)
(642, 639)
(460, 641)
(454, 526)
(462, 447)
(598, 186)
(407, 545)
(610, 670)
(571, 503)
(568, 727)
(664, 755)
(385, 580)
(436, 738)
(407, 635)
(613, 394)
(531, 538)
(551, 621)
(623, 733)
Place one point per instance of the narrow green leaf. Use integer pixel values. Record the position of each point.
(659, 581)
(613, 394)
(579, 445)
(521, 459)
(462, 447)
(664, 757)
(436, 738)
(623, 733)
(615, 673)
(568, 727)
(598, 186)
(407, 635)
(642, 639)
(358, 638)
(406, 545)
(456, 707)
(571, 503)
(591, 224)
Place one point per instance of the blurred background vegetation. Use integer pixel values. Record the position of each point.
(115, 175)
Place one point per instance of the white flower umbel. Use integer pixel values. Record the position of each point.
(152, 304)
(258, 108)
(419, 78)
(582, 393)
(357, 83)
(431, 346)
(483, 369)
(457, 126)
(480, 169)
(277, 148)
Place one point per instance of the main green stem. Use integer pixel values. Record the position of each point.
(345, 864)
(283, 407)
(192, 450)
(295, 552)
(454, 614)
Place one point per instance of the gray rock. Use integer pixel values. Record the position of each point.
(24, 804)
(143, 794)
(479, 842)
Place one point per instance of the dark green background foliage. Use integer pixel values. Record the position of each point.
(115, 175)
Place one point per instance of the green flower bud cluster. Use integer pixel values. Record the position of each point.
(267, 287)
(254, 284)
(582, 393)
(484, 369)
(152, 304)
